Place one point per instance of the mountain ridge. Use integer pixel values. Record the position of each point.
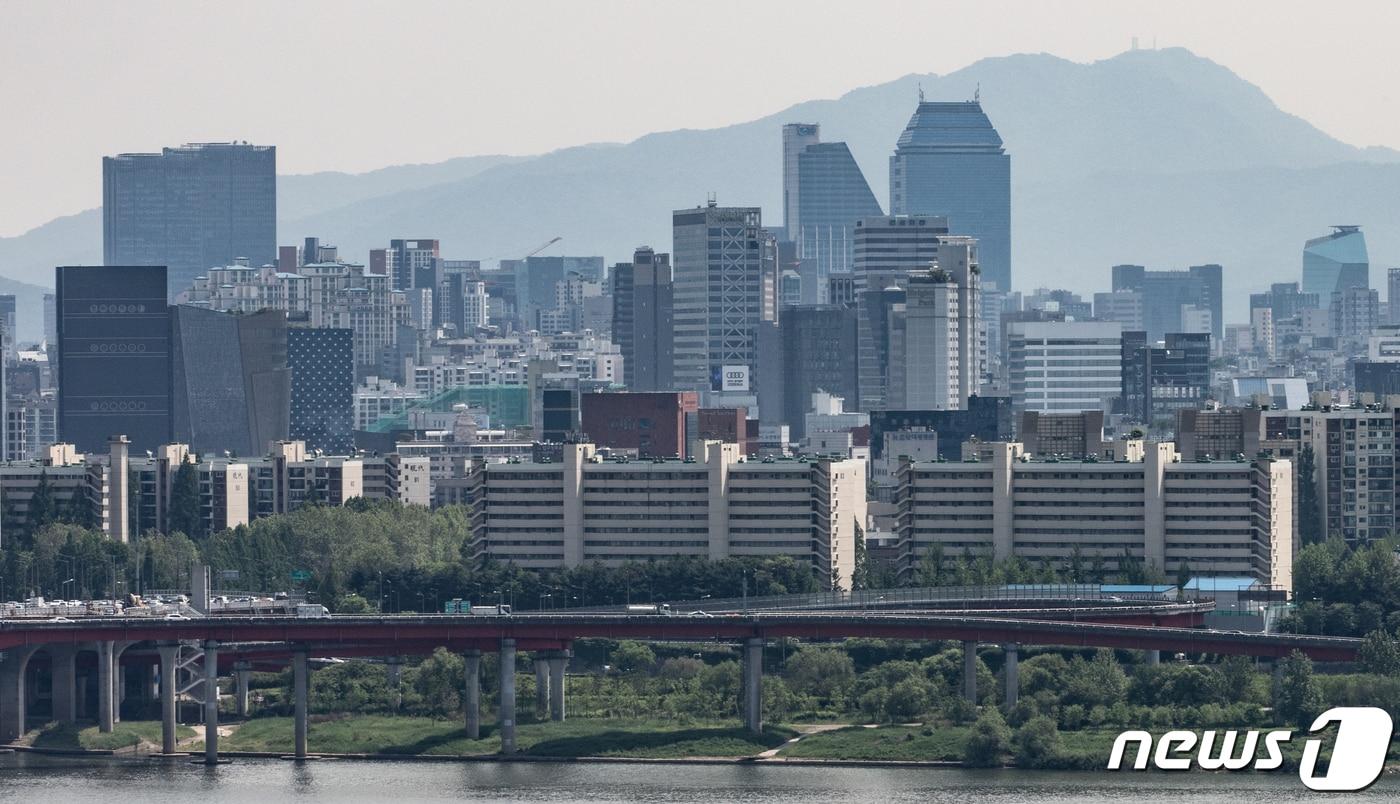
(1139, 127)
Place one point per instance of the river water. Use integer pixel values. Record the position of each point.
(31, 778)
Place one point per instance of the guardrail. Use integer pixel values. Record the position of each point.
(893, 598)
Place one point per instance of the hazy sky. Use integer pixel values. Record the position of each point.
(356, 84)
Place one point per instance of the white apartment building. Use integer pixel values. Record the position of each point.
(1064, 365)
(1214, 518)
(377, 398)
(590, 509)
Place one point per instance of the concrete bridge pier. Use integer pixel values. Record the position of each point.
(299, 692)
(970, 671)
(211, 702)
(753, 684)
(507, 704)
(1013, 674)
(106, 685)
(12, 693)
(65, 682)
(393, 669)
(471, 695)
(541, 684)
(1154, 657)
(168, 653)
(242, 675)
(558, 661)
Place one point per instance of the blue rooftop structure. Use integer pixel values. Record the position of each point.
(949, 127)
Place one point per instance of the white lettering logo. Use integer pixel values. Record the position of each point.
(1358, 755)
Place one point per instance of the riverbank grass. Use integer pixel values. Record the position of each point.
(411, 736)
(126, 734)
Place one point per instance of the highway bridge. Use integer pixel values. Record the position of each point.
(236, 645)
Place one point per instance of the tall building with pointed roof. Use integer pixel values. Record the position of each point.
(950, 161)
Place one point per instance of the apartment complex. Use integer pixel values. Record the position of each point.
(1216, 518)
(232, 491)
(719, 505)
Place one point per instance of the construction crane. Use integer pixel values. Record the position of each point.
(547, 244)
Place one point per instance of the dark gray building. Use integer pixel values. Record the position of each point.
(1157, 380)
(322, 363)
(1165, 293)
(950, 161)
(190, 208)
(232, 385)
(987, 418)
(642, 308)
(814, 349)
(113, 356)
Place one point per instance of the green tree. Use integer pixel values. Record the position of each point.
(988, 741)
(860, 574)
(1309, 512)
(631, 656)
(822, 673)
(1100, 682)
(438, 682)
(1379, 654)
(1038, 744)
(1297, 696)
(182, 513)
(42, 508)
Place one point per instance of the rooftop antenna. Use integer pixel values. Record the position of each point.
(977, 93)
(921, 92)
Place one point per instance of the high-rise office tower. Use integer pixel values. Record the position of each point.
(1336, 262)
(414, 264)
(1167, 294)
(50, 319)
(941, 357)
(463, 303)
(824, 194)
(642, 315)
(322, 362)
(1061, 366)
(232, 385)
(8, 322)
(796, 137)
(950, 162)
(1353, 313)
(190, 208)
(1392, 297)
(719, 292)
(113, 356)
(888, 250)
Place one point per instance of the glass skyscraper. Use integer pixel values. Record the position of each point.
(950, 161)
(190, 209)
(1336, 262)
(832, 195)
(719, 292)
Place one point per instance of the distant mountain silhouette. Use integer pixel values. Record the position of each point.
(1158, 157)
